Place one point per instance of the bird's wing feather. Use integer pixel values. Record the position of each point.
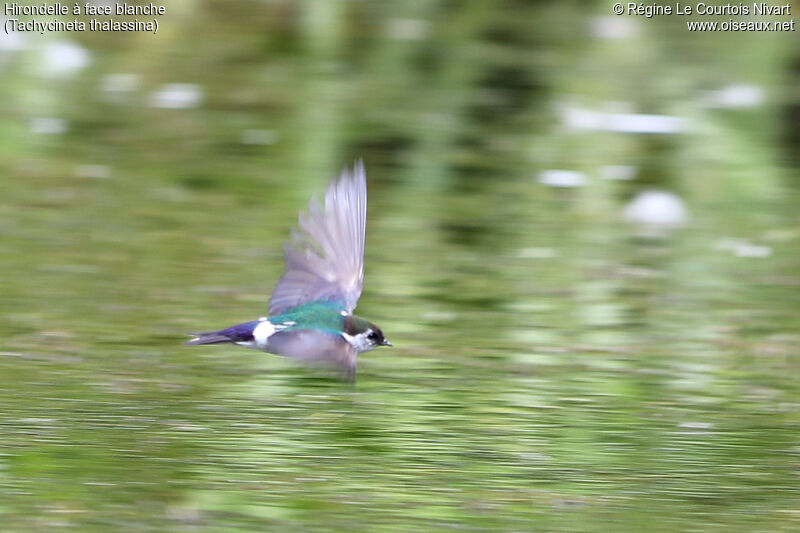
(316, 346)
(325, 258)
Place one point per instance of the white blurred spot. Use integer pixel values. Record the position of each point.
(62, 58)
(407, 29)
(172, 194)
(736, 96)
(618, 172)
(93, 171)
(614, 28)
(10, 42)
(637, 123)
(439, 316)
(586, 119)
(741, 248)
(119, 83)
(263, 137)
(101, 3)
(561, 178)
(177, 96)
(696, 425)
(536, 253)
(48, 126)
(628, 271)
(577, 118)
(656, 209)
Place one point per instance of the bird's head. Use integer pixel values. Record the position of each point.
(363, 334)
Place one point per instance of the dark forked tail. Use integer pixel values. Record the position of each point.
(238, 333)
(212, 337)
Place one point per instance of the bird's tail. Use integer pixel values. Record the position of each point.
(211, 337)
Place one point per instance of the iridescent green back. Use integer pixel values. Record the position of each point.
(325, 315)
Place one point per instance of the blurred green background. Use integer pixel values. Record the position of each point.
(583, 242)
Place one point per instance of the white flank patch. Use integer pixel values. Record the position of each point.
(263, 332)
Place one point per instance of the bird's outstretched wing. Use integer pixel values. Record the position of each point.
(316, 346)
(325, 257)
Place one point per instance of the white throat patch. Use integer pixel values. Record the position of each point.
(361, 341)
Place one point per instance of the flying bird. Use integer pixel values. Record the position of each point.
(311, 308)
